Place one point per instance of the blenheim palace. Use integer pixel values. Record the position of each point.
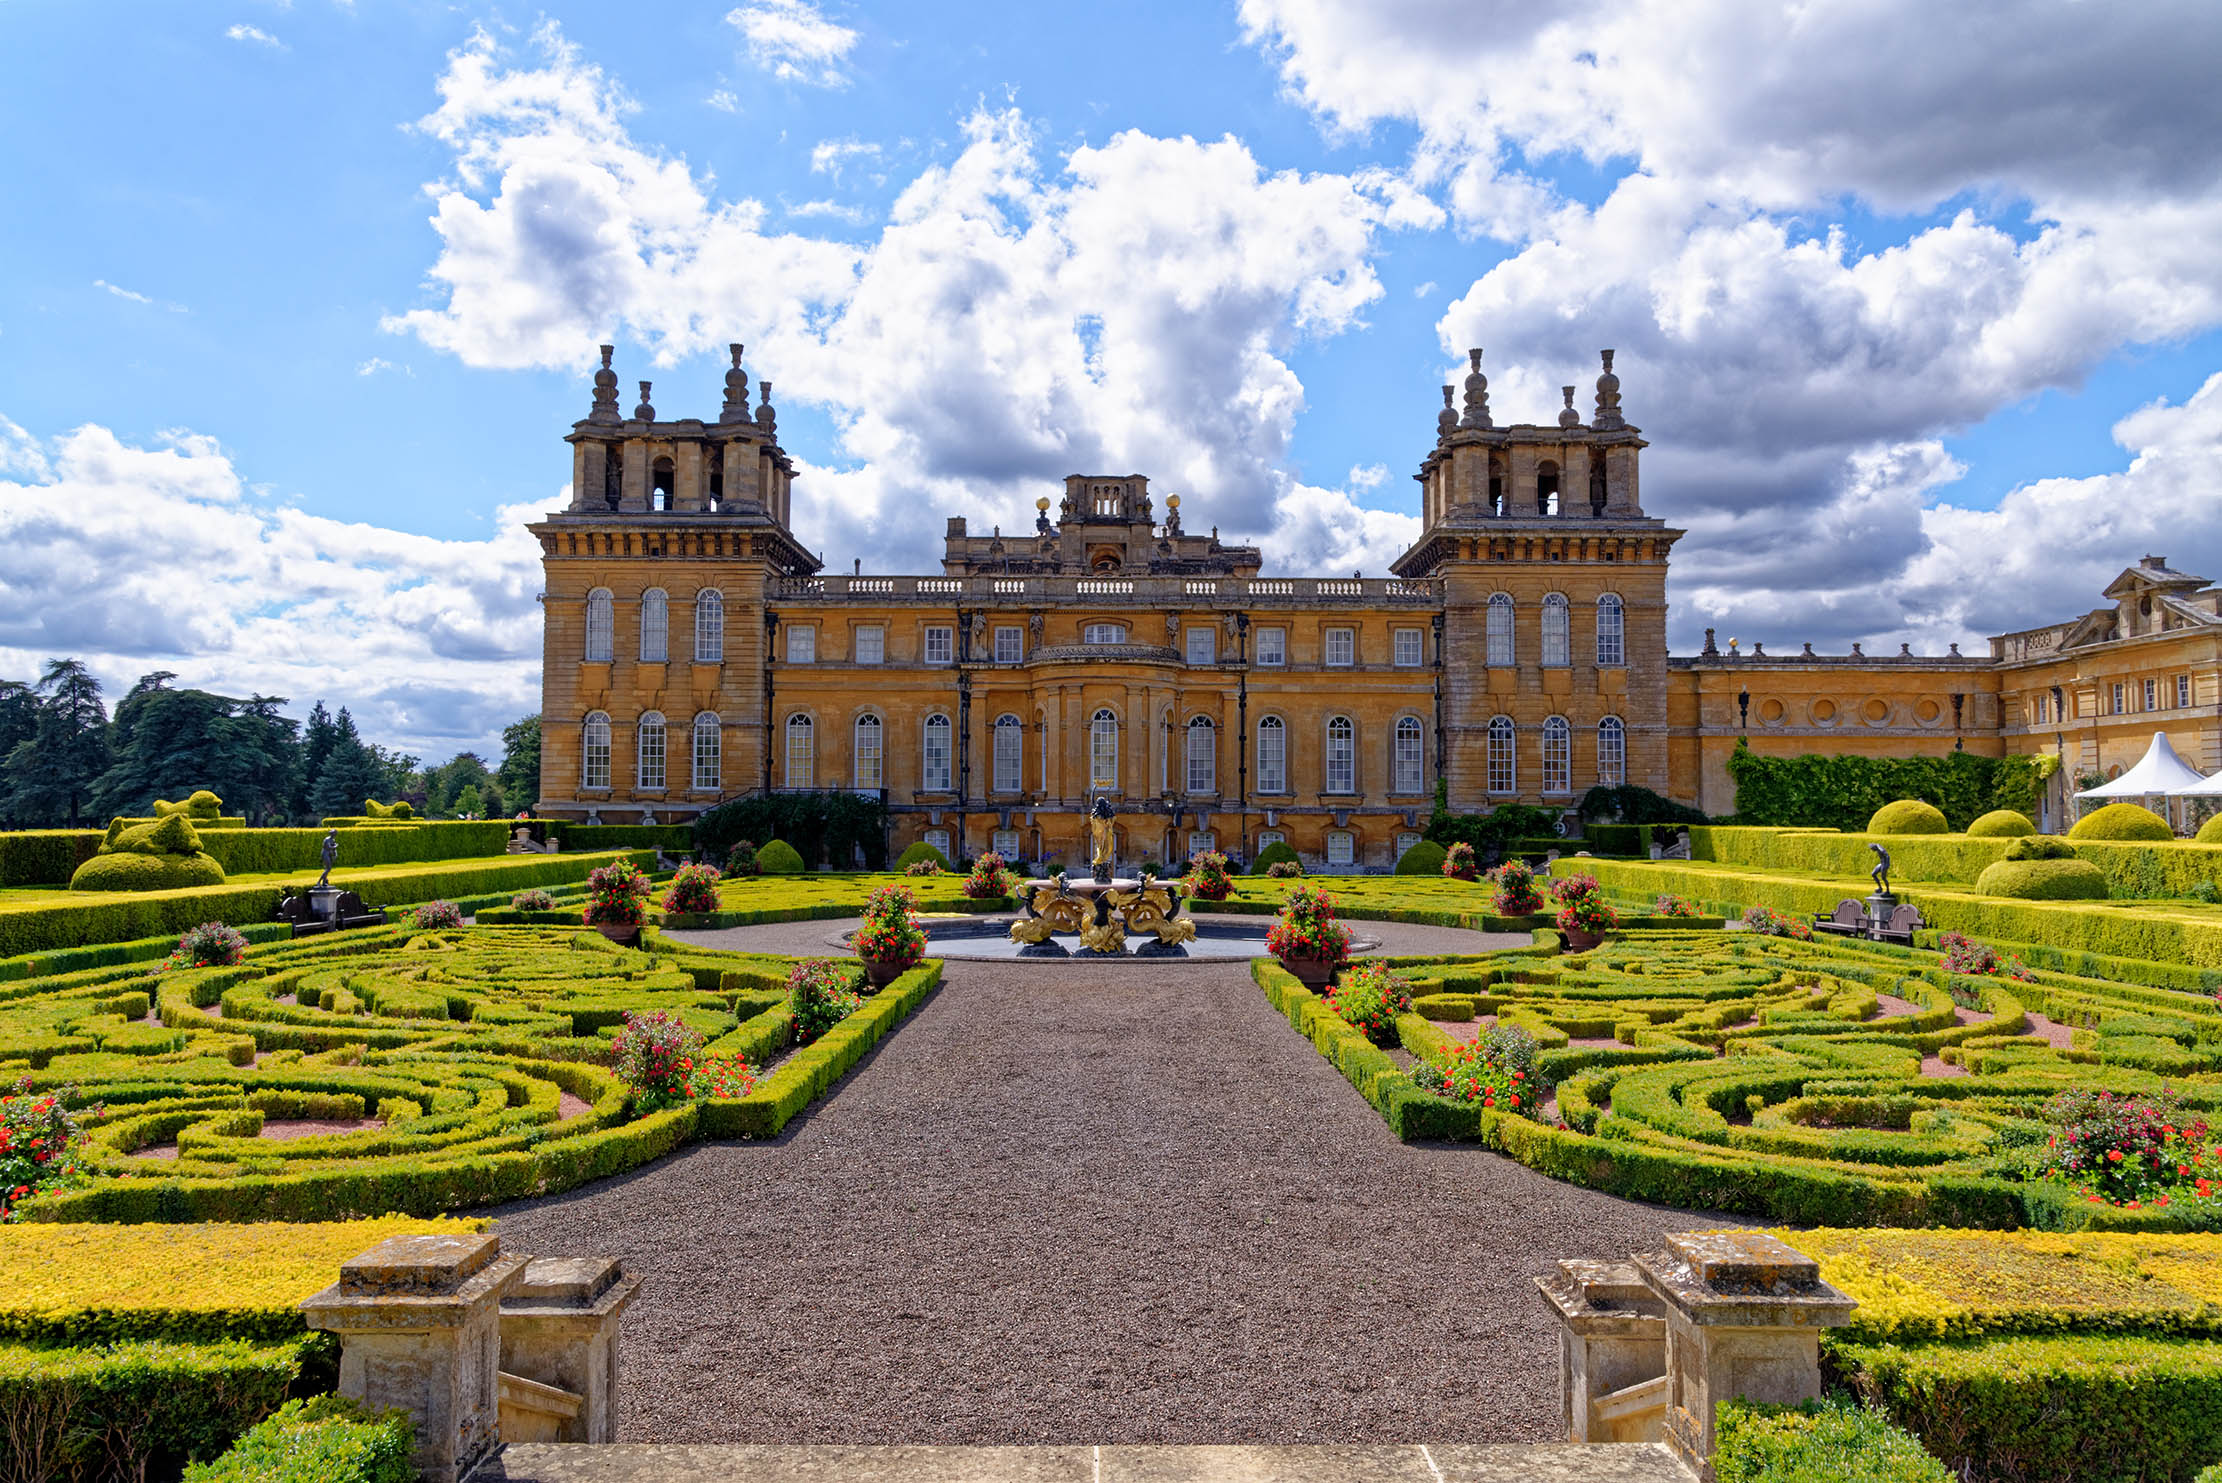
(1516, 653)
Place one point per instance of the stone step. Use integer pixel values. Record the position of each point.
(645, 1462)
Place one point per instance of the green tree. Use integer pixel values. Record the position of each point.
(468, 805)
(165, 743)
(520, 764)
(19, 721)
(444, 785)
(352, 772)
(266, 789)
(51, 776)
(316, 751)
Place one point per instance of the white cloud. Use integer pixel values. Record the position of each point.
(724, 101)
(121, 293)
(830, 156)
(376, 364)
(140, 558)
(256, 35)
(795, 41)
(833, 210)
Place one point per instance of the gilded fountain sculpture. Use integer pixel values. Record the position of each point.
(1102, 910)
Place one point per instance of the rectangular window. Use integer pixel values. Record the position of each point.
(2183, 691)
(1272, 756)
(1342, 646)
(1409, 648)
(1009, 756)
(1342, 847)
(871, 645)
(651, 770)
(1005, 843)
(1409, 768)
(706, 753)
(2042, 705)
(1270, 836)
(934, 756)
(2152, 695)
(1200, 840)
(802, 757)
(1404, 842)
(941, 645)
(939, 839)
(2119, 707)
(1203, 646)
(1272, 646)
(1010, 645)
(802, 645)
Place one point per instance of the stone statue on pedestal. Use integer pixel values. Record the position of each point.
(1099, 834)
(331, 858)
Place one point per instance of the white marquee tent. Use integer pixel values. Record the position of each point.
(2160, 773)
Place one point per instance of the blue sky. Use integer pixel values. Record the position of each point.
(1233, 246)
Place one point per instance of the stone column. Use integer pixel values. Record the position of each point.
(1612, 1352)
(559, 1339)
(419, 1324)
(1744, 1315)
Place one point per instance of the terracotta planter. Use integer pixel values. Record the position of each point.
(1312, 973)
(1578, 941)
(878, 974)
(622, 934)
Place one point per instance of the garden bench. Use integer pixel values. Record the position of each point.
(1848, 920)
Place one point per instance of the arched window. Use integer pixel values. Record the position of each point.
(1558, 755)
(1409, 768)
(1342, 755)
(662, 480)
(802, 752)
(1612, 646)
(601, 625)
(1503, 778)
(1010, 754)
(655, 626)
(1272, 755)
(867, 769)
(709, 749)
(709, 626)
(1558, 647)
(1500, 630)
(594, 752)
(1546, 488)
(1203, 755)
(934, 769)
(1103, 751)
(649, 760)
(1612, 752)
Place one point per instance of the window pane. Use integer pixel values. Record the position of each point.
(1010, 645)
(1341, 847)
(935, 768)
(655, 625)
(1103, 751)
(1612, 648)
(651, 768)
(1106, 633)
(1203, 755)
(708, 752)
(802, 645)
(1501, 773)
(1272, 756)
(1272, 646)
(1500, 630)
(600, 619)
(1342, 756)
(868, 752)
(940, 645)
(709, 628)
(802, 753)
(1341, 646)
(1409, 770)
(871, 645)
(1558, 756)
(1612, 752)
(1556, 646)
(1010, 741)
(594, 756)
(1203, 645)
(1408, 647)
(1005, 843)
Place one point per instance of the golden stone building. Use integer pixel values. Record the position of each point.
(1517, 652)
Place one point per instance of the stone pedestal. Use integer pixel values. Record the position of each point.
(324, 903)
(1744, 1315)
(559, 1350)
(419, 1324)
(1879, 907)
(1612, 1352)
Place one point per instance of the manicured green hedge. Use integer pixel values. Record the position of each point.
(2002, 823)
(45, 857)
(777, 857)
(1830, 1441)
(106, 954)
(673, 839)
(2122, 822)
(811, 1071)
(1843, 792)
(2043, 880)
(1279, 852)
(324, 1439)
(384, 842)
(1424, 858)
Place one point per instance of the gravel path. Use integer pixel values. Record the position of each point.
(1113, 1207)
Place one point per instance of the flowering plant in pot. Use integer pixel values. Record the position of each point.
(1306, 937)
(990, 877)
(1285, 870)
(210, 945)
(1584, 916)
(820, 994)
(1517, 895)
(742, 860)
(1460, 862)
(1369, 996)
(694, 890)
(923, 868)
(662, 1061)
(1207, 876)
(532, 900)
(613, 900)
(39, 1138)
(889, 939)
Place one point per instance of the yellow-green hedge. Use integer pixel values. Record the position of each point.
(1908, 816)
(2121, 822)
(2133, 868)
(2043, 880)
(2001, 823)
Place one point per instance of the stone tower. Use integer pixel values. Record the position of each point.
(1554, 596)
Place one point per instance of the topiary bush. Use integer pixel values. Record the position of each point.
(1424, 858)
(2001, 823)
(323, 1439)
(2122, 821)
(1908, 816)
(2040, 847)
(903, 862)
(778, 857)
(1831, 1441)
(1277, 853)
(162, 856)
(400, 808)
(202, 805)
(2043, 880)
(2210, 832)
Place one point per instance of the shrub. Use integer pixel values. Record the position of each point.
(694, 890)
(1460, 862)
(2129, 1151)
(322, 1439)
(1369, 996)
(438, 915)
(921, 853)
(39, 1142)
(990, 877)
(1908, 816)
(924, 868)
(1207, 876)
(2039, 847)
(1835, 1440)
(1670, 905)
(613, 895)
(400, 808)
(1286, 870)
(201, 805)
(1306, 928)
(1768, 922)
(146, 873)
(2001, 823)
(2121, 821)
(2210, 832)
(1496, 1072)
(210, 945)
(1280, 852)
(532, 900)
(1581, 908)
(655, 1055)
(1517, 895)
(743, 860)
(889, 931)
(2043, 880)
(1964, 955)
(820, 994)
(778, 857)
(1424, 858)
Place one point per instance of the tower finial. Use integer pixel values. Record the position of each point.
(1567, 416)
(736, 390)
(1477, 394)
(766, 418)
(605, 391)
(1446, 421)
(1608, 396)
(644, 412)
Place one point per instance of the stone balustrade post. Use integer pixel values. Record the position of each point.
(559, 1350)
(419, 1322)
(1612, 1352)
(1744, 1314)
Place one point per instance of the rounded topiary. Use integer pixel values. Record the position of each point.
(132, 871)
(1908, 816)
(2122, 821)
(2001, 823)
(777, 857)
(1424, 858)
(201, 805)
(2043, 880)
(904, 861)
(1279, 852)
(2040, 847)
(2210, 832)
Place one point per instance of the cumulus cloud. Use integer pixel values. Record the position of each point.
(795, 41)
(160, 557)
(256, 35)
(831, 156)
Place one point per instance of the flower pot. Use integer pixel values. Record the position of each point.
(1312, 973)
(1578, 941)
(879, 974)
(624, 934)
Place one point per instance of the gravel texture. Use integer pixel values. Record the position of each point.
(1058, 1206)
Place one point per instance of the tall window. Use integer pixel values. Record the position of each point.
(1558, 756)
(2119, 706)
(1010, 645)
(871, 644)
(708, 752)
(709, 626)
(1342, 847)
(1557, 645)
(594, 753)
(1010, 754)
(655, 626)
(1272, 755)
(1342, 646)
(1203, 645)
(650, 765)
(1103, 751)
(1612, 752)
(802, 752)
(1203, 756)
(1342, 755)
(2183, 691)
(1502, 777)
(2152, 695)
(1272, 646)
(1500, 630)
(600, 625)
(941, 645)
(2040, 709)
(1409, 773)
(867, 768)
(933, 771)
(1612, 644)
(1409, 648)
(802, 644)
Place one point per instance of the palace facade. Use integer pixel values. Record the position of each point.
(1516, 653)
